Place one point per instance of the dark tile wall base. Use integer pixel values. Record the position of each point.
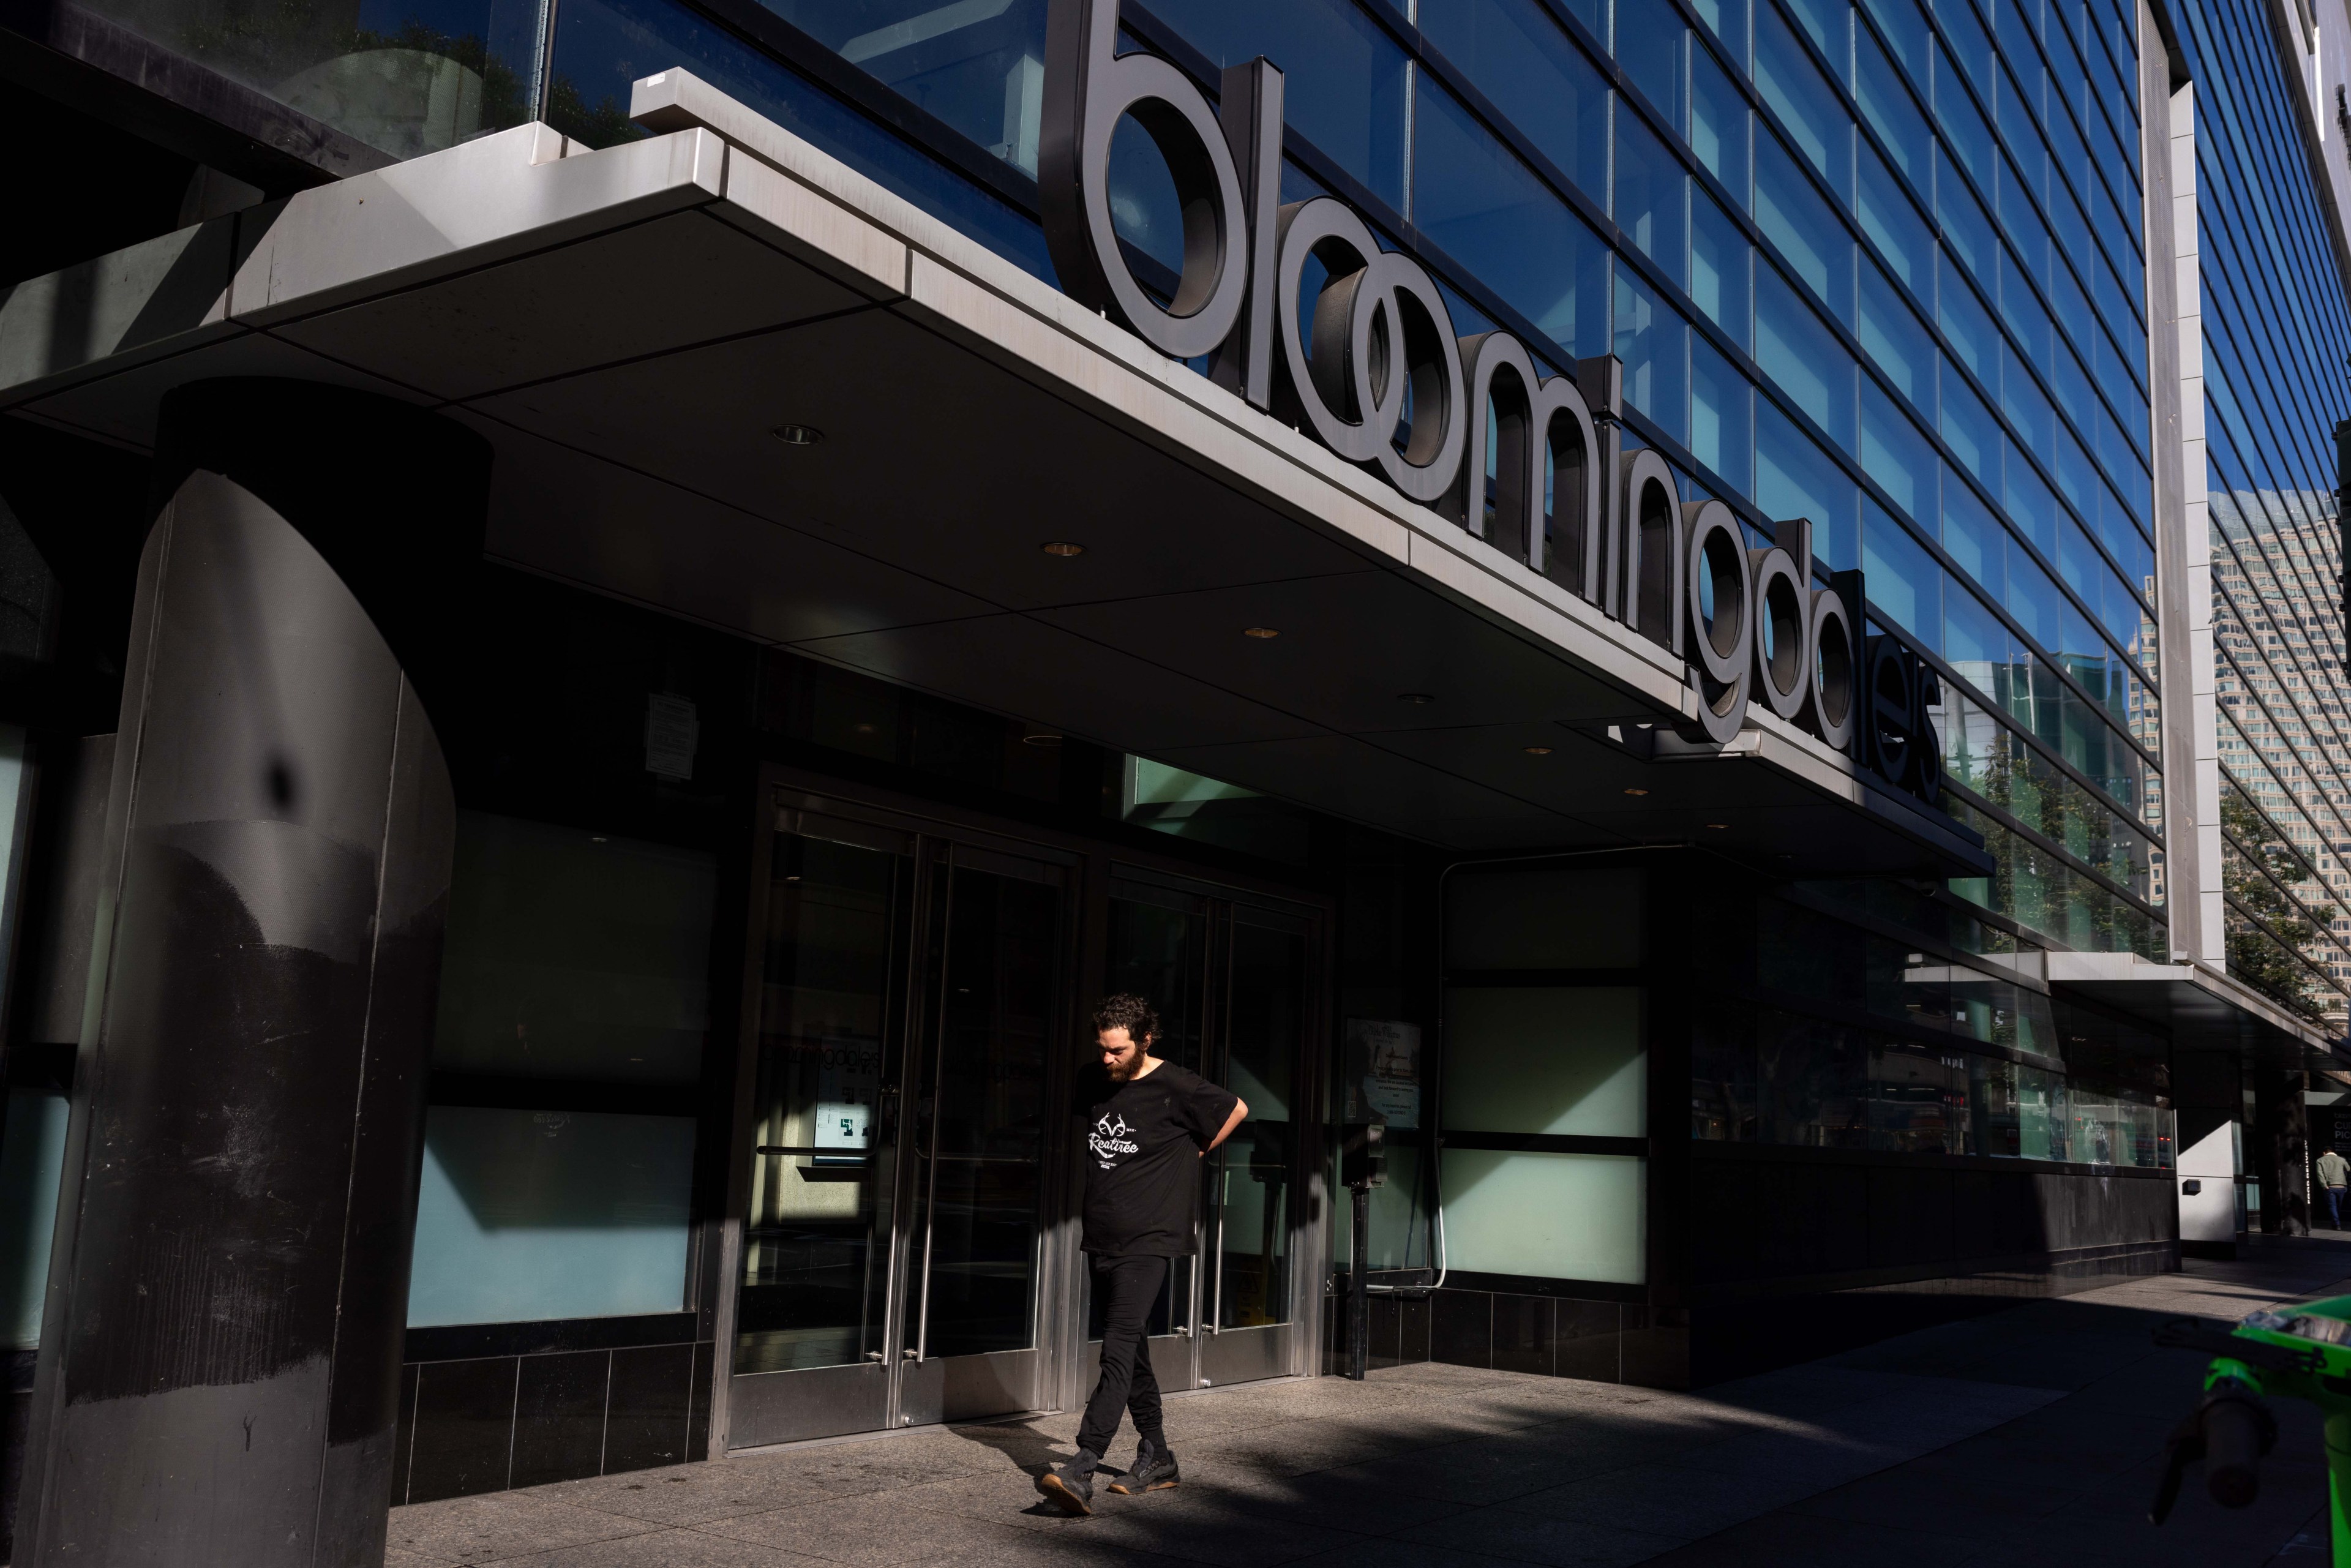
(1550, 1336)
(490, 1423)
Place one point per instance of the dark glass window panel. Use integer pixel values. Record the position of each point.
(1721, 126)
(2032, 600)
(1653, 47)
(978, 68)
(1969, 428)
(1827, 24)
(1721, 262)
(1533, 72)
(2021, 136)
(1722, 420)
(1895, 226)
(1967, 232)
(1793, 216)
(1906, 33)
(1890, 110)
(1815, 1081)
(602, 46)
(1249, 1205)
(1895, 453)
(1974, 642)
(2032, 507)
(1652, 196)
(1652, 342)
(1903, 580)
(1729, 20)
(1794, 478)
(2027, 406)
(1918, 1100)
(1962, 122)
(1972, 536)
(1488, 212)
(1968, 327)
(1724, 1102)
(1143, 206)
(1344, 78)
(1964, 34)
(1896, 341)
(1803, 356)
(1809, 108)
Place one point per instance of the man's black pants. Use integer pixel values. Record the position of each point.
(1128, 1287)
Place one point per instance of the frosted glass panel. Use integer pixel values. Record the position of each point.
(525, 1215)
(1560, 1216)
(1542, 919)
(1545, 1059)
(574, 955)
(30, 1163)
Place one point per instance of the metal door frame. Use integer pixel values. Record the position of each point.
(934, 838)
(1063, 1367)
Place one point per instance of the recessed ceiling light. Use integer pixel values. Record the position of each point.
(1417, 698)
(798, 434)
(1538, 751)
(1063, 547)
(596, 839)
(1040, 740)
(1259, 631)
(863, 728)
(1636, 791)
(1718, 824)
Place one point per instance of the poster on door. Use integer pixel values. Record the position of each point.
(847, 1075)
(1382, 1071)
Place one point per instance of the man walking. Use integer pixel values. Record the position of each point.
(1148, 1125)
(2333, 1171)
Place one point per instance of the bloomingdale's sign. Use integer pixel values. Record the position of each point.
(1377, 374)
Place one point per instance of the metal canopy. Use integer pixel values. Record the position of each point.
(2198, 1008)
(629, 326)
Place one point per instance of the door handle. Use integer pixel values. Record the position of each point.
(911, 1353)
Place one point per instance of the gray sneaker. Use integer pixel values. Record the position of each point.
(1071, 1487)
(1154, 1470)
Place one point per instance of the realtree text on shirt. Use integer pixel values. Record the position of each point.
(1144, 1139)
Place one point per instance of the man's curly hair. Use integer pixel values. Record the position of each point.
(1129, 1012)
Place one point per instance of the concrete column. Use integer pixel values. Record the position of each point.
(218, 1374)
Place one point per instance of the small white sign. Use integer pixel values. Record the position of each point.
(671, 732)
(1384, 1071)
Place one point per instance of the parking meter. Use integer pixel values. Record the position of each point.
(1362, 1166)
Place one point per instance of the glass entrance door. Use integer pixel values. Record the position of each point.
(907, 989)
(1233, 983)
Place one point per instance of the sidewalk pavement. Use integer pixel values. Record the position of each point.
(2025, 1436)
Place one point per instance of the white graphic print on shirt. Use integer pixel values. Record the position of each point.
(1110, 1142)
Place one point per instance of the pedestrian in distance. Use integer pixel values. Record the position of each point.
(1148, 1125)
(2333, 1172)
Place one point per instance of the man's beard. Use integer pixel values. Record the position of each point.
(1121, 1070)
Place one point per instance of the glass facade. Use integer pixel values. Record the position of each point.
(1865, 265)
(2276, 331)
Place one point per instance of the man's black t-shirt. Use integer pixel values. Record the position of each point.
(1144, 1139)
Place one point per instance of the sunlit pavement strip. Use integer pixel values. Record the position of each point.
(2027, 1436)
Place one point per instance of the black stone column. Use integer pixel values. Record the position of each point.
(220, 1356)
(2282, 1149)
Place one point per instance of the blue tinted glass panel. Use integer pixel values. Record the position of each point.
(1654, 343)
(1902, 581)
(1651, 196)
(1974, 640)
(1720, 265)
(1895, 453)
(1792, 214)
(1962, 122)
(1972, 537)
(1653, 46)
(1966, 230)
(602, 46)
(1728, 19)
(1721, 125)
(1344, 81)
(1794, 478)
(1827, 23)
(1805, 104)
(1722, 421)
(1890, 110)
(1968, 325)
(1523, 60)
(1893, 225)
(1906, 32)
(1803, 356)
(1896, 341)
(1488, 212)
(1969, 428)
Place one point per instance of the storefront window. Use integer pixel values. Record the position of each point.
(573, 1011)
